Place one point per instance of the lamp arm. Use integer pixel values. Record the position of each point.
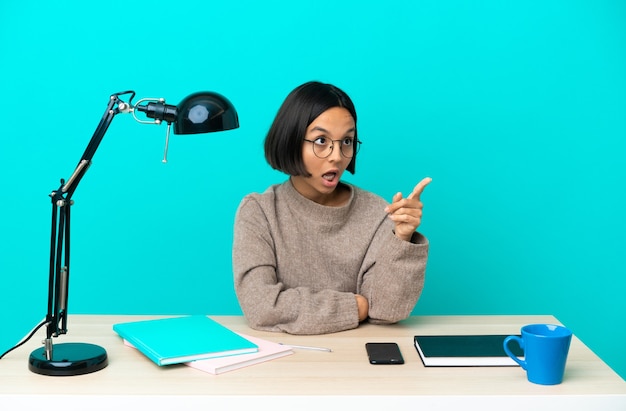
(56, 317)
(115, 106)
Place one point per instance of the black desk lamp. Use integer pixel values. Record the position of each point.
(203, 112)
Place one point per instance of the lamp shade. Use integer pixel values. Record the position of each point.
(205, 112)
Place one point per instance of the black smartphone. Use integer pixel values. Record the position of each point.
(384, 353)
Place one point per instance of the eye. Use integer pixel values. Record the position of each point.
(348, 141)
(321, 141)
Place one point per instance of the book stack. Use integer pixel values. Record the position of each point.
(199, 342)
(464, 350)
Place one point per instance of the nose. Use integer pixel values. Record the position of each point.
(335, 154)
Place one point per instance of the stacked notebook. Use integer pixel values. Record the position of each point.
(465, 350)
(197, 341)
(268, 350)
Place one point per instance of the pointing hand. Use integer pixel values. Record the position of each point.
(406, 213)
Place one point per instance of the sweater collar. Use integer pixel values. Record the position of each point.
(313, 207)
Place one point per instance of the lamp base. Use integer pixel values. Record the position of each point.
(69, 359)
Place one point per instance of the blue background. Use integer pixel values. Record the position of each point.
(517, 110)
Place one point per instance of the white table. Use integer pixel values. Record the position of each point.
(312, 379)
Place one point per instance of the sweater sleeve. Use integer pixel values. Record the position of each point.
(394, 275)
(266, 302)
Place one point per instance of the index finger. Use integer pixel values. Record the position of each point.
(419, 188)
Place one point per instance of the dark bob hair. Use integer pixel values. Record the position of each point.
(283, 143)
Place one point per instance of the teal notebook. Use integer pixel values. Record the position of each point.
(182, 339)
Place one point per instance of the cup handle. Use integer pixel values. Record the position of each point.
(510, 354)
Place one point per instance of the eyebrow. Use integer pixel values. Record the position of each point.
(323, 130)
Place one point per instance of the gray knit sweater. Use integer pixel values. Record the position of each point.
(297, 264)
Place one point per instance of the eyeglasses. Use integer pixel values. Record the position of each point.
(323, 147)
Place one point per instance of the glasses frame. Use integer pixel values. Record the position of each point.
(355, 141)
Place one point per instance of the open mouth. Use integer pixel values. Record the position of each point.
(329, 176)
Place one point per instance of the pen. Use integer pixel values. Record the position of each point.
(307, 347)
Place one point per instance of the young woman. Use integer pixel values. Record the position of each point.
(315, 255)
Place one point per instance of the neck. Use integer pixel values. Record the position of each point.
(337, 198)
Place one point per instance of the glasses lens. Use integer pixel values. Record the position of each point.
(349, 147)
(322, 150)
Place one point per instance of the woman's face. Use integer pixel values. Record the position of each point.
(336, 124)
